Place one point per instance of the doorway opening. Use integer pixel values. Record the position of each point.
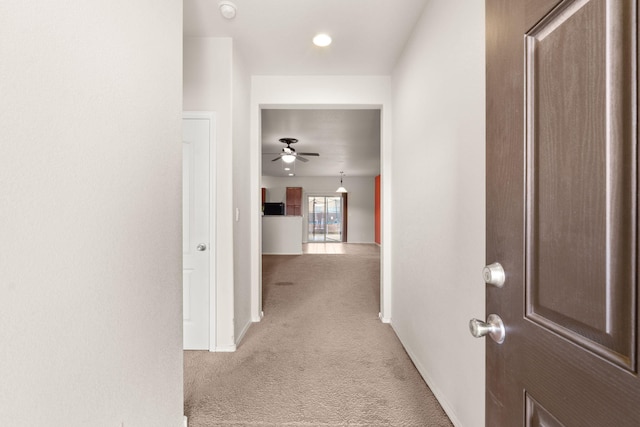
(325, 219)
(349, 135)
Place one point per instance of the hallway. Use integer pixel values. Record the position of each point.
(320, 356)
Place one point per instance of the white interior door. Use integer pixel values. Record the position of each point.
(196, 245)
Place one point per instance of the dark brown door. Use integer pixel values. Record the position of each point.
(562, 218)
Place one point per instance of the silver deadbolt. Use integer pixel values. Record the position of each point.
(493, 327)
(201, 247)
(493, 274)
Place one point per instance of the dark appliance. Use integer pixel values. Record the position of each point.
(274, 208)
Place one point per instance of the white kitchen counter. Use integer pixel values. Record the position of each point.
(281, 235)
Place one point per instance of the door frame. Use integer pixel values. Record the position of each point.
(313, 92)
(213, 309)
(257, 312)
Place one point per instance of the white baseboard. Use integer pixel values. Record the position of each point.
(242, 333)
(361, 243)
(448, 409)
(281, 253)
(185, 422)
(384, 319)
(224, 349)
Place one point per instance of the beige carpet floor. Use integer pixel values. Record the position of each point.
(320, 356)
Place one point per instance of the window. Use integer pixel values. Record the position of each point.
(325, 219)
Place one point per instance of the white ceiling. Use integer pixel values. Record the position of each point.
(274, 38)
(347, 140)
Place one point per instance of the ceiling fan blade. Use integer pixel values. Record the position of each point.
(310, 154)
(302, 159)
(277, 158)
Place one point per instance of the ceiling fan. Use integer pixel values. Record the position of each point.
(289, 154)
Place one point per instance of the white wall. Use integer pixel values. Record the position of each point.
(360, 201)
(439, 203)
(241, 88)
(90, 213)
(322, 92)
(208, 87)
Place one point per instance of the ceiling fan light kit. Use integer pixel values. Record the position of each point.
(289, 154)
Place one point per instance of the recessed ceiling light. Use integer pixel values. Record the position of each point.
(290, 174)
(322, 40)
(287, 169)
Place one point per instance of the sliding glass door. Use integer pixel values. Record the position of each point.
(325, 219)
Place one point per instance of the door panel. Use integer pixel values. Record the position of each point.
(537, 416)
(195, 231)
(580, 182)
(536, 8)
(562, 212)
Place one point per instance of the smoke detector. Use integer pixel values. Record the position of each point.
(227, 9)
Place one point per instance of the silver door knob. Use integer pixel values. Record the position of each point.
(493, 274)
(493, 327)
(201, 247)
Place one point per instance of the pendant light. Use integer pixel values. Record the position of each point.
(341, 189)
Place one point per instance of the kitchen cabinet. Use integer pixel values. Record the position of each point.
(294, 201)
